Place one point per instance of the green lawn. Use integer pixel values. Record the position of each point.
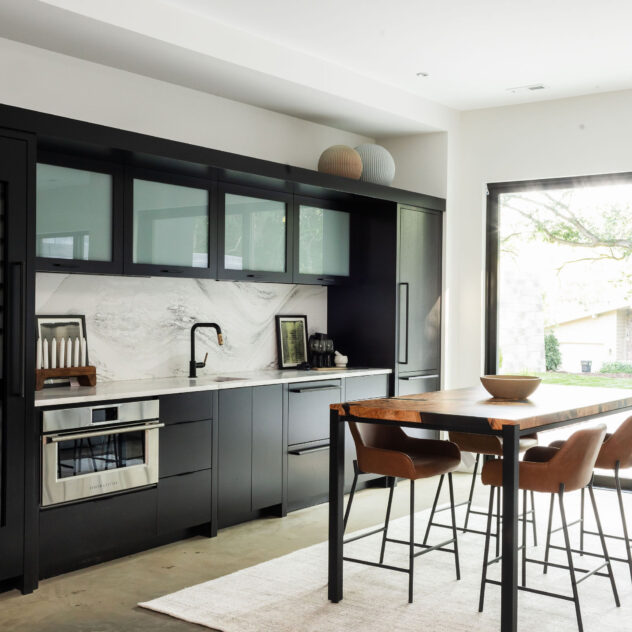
(577, 379)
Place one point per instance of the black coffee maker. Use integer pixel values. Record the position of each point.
(320, 350)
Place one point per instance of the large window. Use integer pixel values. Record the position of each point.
(559, 301)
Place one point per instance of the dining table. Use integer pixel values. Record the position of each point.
(470, 410)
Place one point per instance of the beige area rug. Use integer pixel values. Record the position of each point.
(289, 594)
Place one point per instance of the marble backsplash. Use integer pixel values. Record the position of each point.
(139, 327)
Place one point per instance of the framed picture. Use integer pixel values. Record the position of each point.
(291, 340)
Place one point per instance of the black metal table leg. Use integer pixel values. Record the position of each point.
(509, 594)
(336, 497)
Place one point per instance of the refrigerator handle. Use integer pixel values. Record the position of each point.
(406, 287)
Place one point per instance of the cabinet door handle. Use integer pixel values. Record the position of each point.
(419, 377)
(168, 271)
(312, 389)
(326, 280)
(69, 266)
(406, 287)
(303, 451)
(18, 312)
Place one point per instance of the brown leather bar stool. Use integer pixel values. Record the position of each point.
(390, 452)
(615, 454)
(553, 471)
(489, 447)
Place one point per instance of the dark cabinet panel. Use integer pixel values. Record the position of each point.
(419, 290)
(235, 456)
(366, 387)
(186, 407)
(88, 532)
(184, 501)
(185, 447)
(267, 446)
(307, 475)
(309, 409)
(413, 385)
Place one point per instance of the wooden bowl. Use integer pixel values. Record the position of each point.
(510, 386)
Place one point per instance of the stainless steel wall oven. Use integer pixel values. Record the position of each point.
(93, 450)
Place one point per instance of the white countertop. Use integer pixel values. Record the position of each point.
(129, 389)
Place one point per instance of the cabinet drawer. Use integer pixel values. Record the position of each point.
(309, 410)
(308, 475)
(185, 448)
(186, 407)
(184, 501)
(87, 532)
(412, 385)
(366, 387)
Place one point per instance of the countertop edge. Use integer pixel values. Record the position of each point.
(110, 393)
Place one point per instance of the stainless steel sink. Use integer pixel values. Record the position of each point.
(227, 379)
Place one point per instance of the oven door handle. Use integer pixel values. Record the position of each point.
(101, 433)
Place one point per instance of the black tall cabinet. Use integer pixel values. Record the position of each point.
(18, 515)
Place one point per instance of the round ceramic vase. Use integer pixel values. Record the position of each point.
(341, 160)
(378, 165)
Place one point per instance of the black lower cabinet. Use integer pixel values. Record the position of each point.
(77, 535)
(414, 385)
(184, 501)
(250, 468)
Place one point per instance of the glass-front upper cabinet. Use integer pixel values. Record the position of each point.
(170, 226)
(254, 229)
(322, 243)
(77, 217)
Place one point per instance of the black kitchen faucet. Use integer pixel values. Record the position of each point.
(193, 365)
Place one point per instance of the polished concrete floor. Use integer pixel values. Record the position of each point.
(103, 598)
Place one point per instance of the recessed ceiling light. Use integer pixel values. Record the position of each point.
(423, 74)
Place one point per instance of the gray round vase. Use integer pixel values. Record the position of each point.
(378, 165)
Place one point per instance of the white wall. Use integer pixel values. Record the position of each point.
(41, 80)
(568, 137)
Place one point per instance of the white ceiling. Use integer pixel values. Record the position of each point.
(348, 63)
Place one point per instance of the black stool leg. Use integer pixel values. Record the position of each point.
(498, 506)
(471, 497)
(603, 544)
(548, 534)
(351, 495)
(581, 522)
(488, 535)
(535, 530)
(454, 535)
(411, 545)
(624, 522)
(569, 556)
(434, 507)
(388, 517)
(524, 537)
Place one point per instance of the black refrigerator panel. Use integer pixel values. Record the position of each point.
(419, 291)
(16, 296)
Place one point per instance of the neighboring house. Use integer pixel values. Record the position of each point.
(601, 337)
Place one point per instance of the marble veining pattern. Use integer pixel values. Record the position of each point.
(138, 327)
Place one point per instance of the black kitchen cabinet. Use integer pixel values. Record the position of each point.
(322, 242)
(185, 447)
(186, 407)
(19, 448)
(184, 501)
(89, 532)
(250, 469)
(308, 410)
(79, 215)
(255, 232)
(170, 225)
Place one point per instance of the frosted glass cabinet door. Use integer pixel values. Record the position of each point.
(74, 214)
(170, 225)
(323, 244)
(255, 231)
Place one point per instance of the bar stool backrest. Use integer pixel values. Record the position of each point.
(573, 464)
(376, 436)
(617, 448)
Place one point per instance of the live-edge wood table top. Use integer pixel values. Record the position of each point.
(549, 404)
